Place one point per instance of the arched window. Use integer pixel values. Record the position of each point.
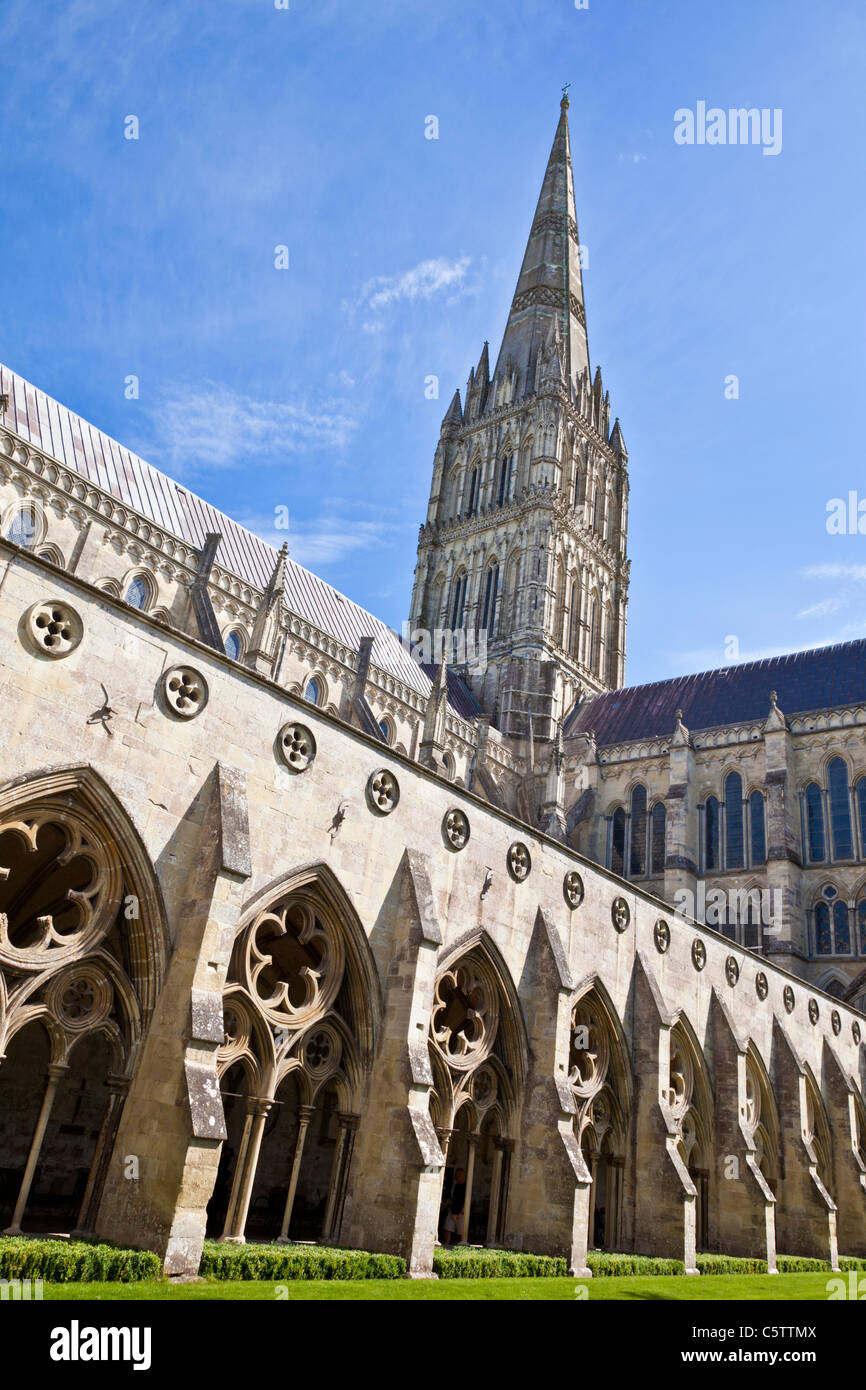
(234, 645)
(386, 730)
(814, 812)
(23, 526)
(840, 810)
(841, 929)
(657, 838)
(596, 506)
(617, 842)
(473, 493)
(137, 593)
(313, 691)
(578, 486)
(637, 857)
(861, 925)
(491, 596)
(459, 604)
(734, 847)
(594, 635)
(505, 473)
(572, 618)
(756, 826)
(711, 834)
(823, 942)
(860, 792)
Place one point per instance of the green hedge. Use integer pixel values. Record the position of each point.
(610, 1265)
(282, 1262)
(852, 1262)
(730, 1264)
(75, 1261)
(463, 1263)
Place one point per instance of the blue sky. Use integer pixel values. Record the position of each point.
(305, 388)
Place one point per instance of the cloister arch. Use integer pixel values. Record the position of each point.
(479, 1054)
(83, 951)
(302, 1009)
(690, 1098)
(760, 1118)
(600, 1078)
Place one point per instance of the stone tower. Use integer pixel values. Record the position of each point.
(525, 538)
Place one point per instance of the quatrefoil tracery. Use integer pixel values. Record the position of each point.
(294, 964)
(61, 894)
(589, 1058)
(465, 1015)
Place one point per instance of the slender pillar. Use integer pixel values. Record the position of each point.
(352, 1122)
(56, 1073)
(305, 1114)
(505, 1183)
(472, 1140)
(242, 1188)
(495, 1178)
(118, 1088)
(345, 1143)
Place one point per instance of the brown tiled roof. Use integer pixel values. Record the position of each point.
(822, 678)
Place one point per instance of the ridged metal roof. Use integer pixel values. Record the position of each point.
(822, 678)
(64, 436)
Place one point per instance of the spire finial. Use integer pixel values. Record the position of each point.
(564, 104)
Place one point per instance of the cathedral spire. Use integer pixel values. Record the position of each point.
(550, 285)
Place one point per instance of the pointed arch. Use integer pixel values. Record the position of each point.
(85, 793)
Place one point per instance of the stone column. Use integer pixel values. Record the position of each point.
(245, 1172)
(495, 1178)
(472, 1142)
(118, 1087)
(339, 1175)
(305, 1114)
(56, 1073)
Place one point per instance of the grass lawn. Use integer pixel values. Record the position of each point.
(712, 1288)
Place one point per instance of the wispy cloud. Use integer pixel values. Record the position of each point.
(423, 281)
(215, 426)
(822, 609)
(855, 572)
(321, 540)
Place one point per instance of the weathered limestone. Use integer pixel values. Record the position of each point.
(551, 1188)
(394, 1203)
(167, 1146)
(806, 1213)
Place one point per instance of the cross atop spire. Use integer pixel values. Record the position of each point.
(550, 286)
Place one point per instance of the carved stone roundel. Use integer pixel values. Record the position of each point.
(383, 792)
(321, 1052)
(465, 1015)
(762, 988)
(788, 999)
(54, 628)
(814, 1011)
(455, 828)
(836, 1022)
(572, 887)
(699, 954)
(293, 963)
(80, 999)
(732, 970)
(297, 747)
(519, 861)
(620, 914)
(662, 936)
(185, 691)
